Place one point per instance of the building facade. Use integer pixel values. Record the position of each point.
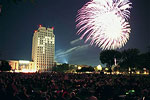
(43, 48)
(22, 66)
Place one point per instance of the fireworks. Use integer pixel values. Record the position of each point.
(105, 23)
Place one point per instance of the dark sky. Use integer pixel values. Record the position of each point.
(18, 22)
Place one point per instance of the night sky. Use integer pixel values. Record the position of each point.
(18, 22)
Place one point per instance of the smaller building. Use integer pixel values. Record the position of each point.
(22, 66)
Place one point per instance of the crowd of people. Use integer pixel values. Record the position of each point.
(69, 86)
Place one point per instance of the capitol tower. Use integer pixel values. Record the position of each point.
(43, 48)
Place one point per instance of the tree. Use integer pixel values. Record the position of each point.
(86, 69)
(148, 48)
(144, 60)
(4, 66)
(107, 57)
(63, 68)
(130, 58)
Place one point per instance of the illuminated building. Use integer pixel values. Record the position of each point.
(22, 66)
(43, 48)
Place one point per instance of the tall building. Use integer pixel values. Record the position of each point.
(43, 48)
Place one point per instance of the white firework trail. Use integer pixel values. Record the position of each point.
(105, 22)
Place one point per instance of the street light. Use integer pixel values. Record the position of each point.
(79, 68)
(106, 69)
(99, 67)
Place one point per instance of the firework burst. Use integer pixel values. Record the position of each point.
(105, 23)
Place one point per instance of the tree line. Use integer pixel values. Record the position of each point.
(132, 58)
